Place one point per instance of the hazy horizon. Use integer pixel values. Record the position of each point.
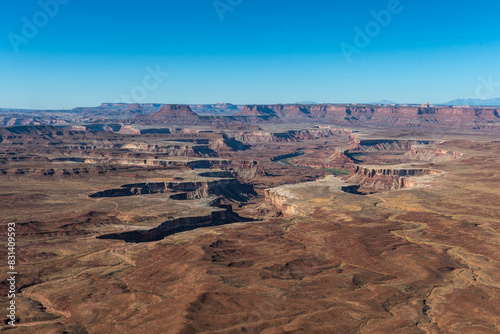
(251, 104)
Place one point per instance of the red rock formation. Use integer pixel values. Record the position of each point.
(250, 170)
(381, 178)
(374, 145)
(173, 110)
(413, 116)
(134, 108)
(171, 114)
(433, 154)
(256, 111)
(337, 160)
(291, 136)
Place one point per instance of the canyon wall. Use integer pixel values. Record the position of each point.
(432, 154)
(404, 116)
(175, 226)
(380, 178)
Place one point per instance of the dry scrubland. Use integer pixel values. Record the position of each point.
(412, 246)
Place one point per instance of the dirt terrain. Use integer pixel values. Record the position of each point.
(296, 227)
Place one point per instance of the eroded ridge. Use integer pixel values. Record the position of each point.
(380, 178)
(199, 229)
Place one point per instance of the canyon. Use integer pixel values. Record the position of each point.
(315, 218)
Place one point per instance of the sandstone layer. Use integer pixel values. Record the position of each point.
(245, 229)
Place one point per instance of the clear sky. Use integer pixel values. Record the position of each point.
(246, 51)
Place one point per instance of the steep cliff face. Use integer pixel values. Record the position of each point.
(248, 170)
(91, 144)
(175, 110)
(170, 227)
(375, 145)
(229, 188)
(433, 154)
(264, 137)
(170, 114)
(379, 178)
(202, 163)
(50, 172)
(280, 201)
(371, 171)
(45, 135)
(257, 111)
(399, 116)
(291, 136)
(134, 108)
(291, 111)
(338, 159)
(226, 144)
(405, 116)
(108, 127)
(25, 120)
(425, 116)
(288, 198)
(172, 150)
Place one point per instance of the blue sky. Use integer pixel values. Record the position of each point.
(88, 52)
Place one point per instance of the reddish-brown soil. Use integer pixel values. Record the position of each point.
(416, 250)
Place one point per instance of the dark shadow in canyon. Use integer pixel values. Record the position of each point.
(170, 227)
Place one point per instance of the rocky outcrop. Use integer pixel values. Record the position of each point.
(338, 160)
(257, 111)
(373, 115)
(371, 171)
(92, 146)
(45, 135)
(134, 108)
(109, 127)
(175, 110)
(225, 115)
(65, 171)
(290, 111)
(284, 197)
(34, 121)
(375, 145)
(172, 150)
(381, 178)
(121, 109)
(401, 116)
(226, 144)
(143, 162)
(248, 170)
(229, 188)
(170, 227)
(208, 164)
(433, 154)
(170, 114)
(101, 166)
(264, 137)
(223, 215)
(291, 136)
(280, 201)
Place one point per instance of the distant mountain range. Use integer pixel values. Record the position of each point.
(383, 102)
(474, 102)
(306, 102)
(338, 114)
